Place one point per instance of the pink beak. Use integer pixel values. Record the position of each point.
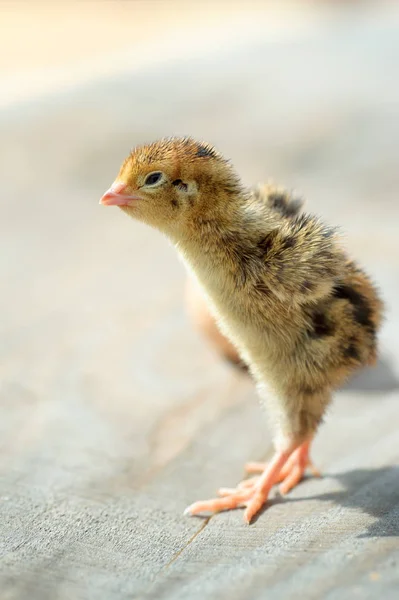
(117, 196)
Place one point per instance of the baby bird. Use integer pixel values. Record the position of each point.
(302, 315)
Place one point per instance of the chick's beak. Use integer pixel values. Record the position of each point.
(117, 195)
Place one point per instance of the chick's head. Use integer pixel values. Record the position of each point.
(171, 182)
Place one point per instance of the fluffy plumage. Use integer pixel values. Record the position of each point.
(302, 315)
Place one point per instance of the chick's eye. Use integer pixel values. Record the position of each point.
(153, 178)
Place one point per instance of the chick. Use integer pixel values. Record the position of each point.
(302, 315)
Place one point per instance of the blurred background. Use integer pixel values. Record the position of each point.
(109, 396)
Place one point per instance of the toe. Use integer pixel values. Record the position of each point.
(292, 479)
(224, 491)
(254, 505)
(248, 483)
(255, 467)
(234, 500)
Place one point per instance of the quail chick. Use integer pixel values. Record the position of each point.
(302, 315)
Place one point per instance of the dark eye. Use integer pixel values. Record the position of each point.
(153, 178)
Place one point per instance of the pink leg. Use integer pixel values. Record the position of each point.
(253, 498)
(299, 462)
(264, 485)
(286, 467)
(292, 472)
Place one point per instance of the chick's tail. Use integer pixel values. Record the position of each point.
(278, 200)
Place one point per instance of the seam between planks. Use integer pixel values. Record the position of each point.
(178, 554)
(192, 538)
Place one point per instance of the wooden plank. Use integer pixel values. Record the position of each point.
(342, 528)
(114, 414)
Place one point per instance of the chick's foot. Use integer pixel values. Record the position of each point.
(290, 475)
(252, 497)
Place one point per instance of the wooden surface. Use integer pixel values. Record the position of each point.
(114, 413)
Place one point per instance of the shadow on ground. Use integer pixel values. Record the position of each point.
(372, 491)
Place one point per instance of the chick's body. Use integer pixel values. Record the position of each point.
(302, 315)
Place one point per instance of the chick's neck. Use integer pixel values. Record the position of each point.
(219, 246)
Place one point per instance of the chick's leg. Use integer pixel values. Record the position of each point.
(293, 438)
(292, 472)
(252, 498)
(304, 413)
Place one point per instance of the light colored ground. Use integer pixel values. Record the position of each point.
(114, 414)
